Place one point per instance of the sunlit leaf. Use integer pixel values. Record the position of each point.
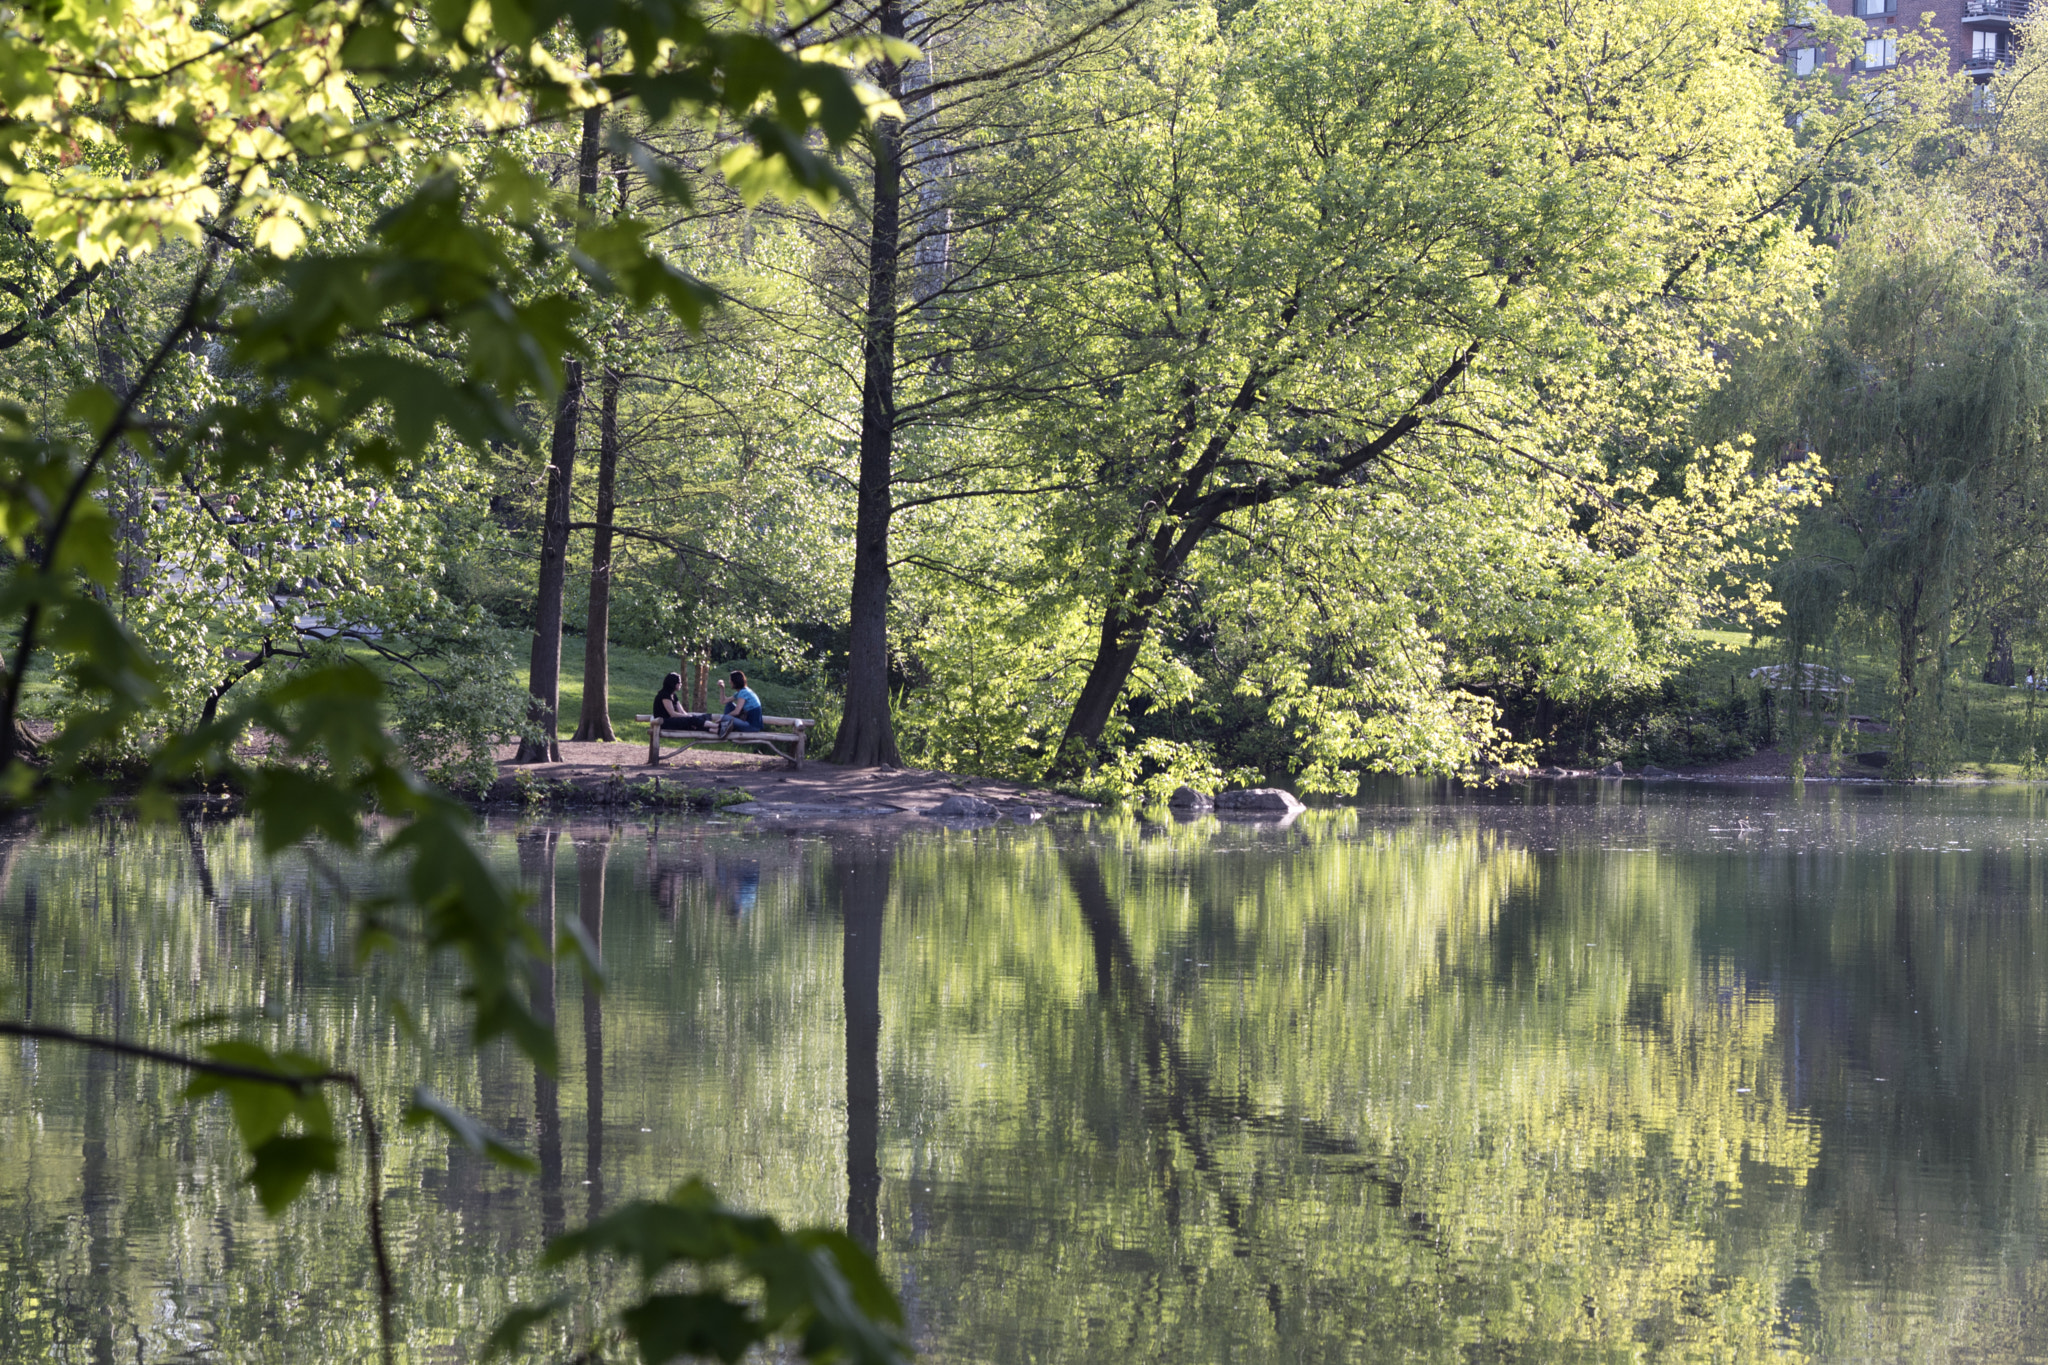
(472, 1133)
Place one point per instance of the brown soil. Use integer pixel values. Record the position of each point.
(1777, 763)
(594, 767)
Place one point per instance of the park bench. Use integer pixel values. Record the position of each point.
(784, 738)
(1807, 678)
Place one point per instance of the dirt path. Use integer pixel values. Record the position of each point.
(817, 788)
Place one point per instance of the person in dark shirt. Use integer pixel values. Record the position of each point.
(742, 709)
(670, 709)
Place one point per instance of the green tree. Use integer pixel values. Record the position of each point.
(1339, 250)
(1923, 387)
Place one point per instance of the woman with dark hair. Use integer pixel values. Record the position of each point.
(742, 709)
(673, 716)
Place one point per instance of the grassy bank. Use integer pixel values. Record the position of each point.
(1997, 731)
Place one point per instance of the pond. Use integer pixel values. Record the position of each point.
(1552, 1072)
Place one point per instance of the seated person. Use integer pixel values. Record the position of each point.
(673, 716)
(742, 708)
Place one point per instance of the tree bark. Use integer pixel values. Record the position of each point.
(1116, 655)
(1998, 669)
(544, 672)
(124, 473)
(867, 735)
(596, 721)
(1907, 756)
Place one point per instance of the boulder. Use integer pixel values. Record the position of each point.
(965, 807)
(1187, 798)
(1614, 769)
(1652, 770)
(1260, 801)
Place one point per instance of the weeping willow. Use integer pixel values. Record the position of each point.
(1922, 384)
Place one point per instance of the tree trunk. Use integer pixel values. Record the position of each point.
(544, 673)
(1998, 668)
(1116, 655)
(125, 472)
(596, 721)
(1906, 757)
(867, 736)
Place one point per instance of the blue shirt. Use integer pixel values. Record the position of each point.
(746, 706)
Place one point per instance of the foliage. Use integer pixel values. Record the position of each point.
(1684, 742)
(448, 722)
(1355, 360)
(1923, 387)
(402, 278)
(817, 1284)
(1149, 771)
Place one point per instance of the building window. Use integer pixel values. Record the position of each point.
(1804, 60)
(1880, 51)
(1984, 45)
(1871, 8)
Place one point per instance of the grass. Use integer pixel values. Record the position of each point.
(2001, 732)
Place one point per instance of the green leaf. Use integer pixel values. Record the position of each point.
(510, 1334)
(871, 1293)
(689, 1226)
(402, 1015)
(213, 1018)
(94, 405)
(285, 1164)
(666, 1326)
(290, 805)
(803, 1284)
(575, 940)
(472, 1133)
(260, 1108)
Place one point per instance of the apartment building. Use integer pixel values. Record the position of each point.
(1979, 33)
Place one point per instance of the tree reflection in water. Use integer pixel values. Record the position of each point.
(1428, 1085)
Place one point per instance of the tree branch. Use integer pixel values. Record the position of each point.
(373, 1140)
(18, 333)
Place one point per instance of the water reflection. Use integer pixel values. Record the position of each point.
(1715, 1074)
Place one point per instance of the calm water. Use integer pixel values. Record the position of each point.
(1554, 1074)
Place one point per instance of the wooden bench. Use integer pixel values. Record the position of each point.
(784, 738)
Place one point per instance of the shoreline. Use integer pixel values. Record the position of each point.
(596, 774)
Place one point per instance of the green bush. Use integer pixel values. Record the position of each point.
(1685, 741)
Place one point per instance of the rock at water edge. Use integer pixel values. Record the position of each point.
(1187, 798)
(1613, 769)
(1260, 801)
(965, 808)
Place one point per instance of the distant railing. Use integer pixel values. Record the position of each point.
(1977, 63)
(1996, 9)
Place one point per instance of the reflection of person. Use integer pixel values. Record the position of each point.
(741, 884)
(742, 709)
(670, 709)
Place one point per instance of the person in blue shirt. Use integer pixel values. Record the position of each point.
(742, 708)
